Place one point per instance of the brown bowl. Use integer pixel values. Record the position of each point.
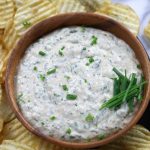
(87, 19)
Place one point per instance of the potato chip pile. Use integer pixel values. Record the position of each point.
(16, 17)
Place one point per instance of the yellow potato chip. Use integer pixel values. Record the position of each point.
(10, 36)
(93, 5)
(64, 6)
(7, 10)
(124, 14)
(9, 40)
(133, 140)
(14, 130)
(13, 145)
(5, 111)
(147, 31)
(3, 54)
(31, 13)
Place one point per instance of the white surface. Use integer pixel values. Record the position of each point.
(142, 8)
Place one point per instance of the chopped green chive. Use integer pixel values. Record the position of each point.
(61, 51)
(89, 118)
(51, 71)
(82, 29)
(67, 77)
(94, 40)
(116, 86)
(129, 89)
(52, 118)
(85, 80)
(35, 68)
(101, 136)
(139, 66)
(71, 96)
(42, 123)
(84, 48)
(68, 131)
(42, 53)
(90, 60)
(56, 95)
(42, 77)
(26, 24)
(65, 88)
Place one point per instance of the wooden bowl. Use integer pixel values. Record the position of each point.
(59, 21)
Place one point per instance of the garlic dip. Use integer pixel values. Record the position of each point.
(64, 78)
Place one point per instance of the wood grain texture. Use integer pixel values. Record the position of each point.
(63, 20)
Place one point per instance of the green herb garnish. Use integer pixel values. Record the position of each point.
(85, 80)
(125, 90)
(129, 86)
(68, 131)
(90, 60)
(89, 118)
(84, 48)
(139, 66)
(26, 24)
(42, 53)
(67, 77)
(94, 40)
(35, 68)
(57, 95)
(51, 71)
(116, 86)
(65, 88)
(42, 77)
(71, 97)
(82, 29)
(42, 123)
(61, 51)
(52, 118)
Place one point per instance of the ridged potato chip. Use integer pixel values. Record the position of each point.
(64, 6)
(124, 14)
(13, 145)
(138, 138)
(3, 54)
(7, 11)
(9, 40)
(5, 111)
(31, 13)
(14, 130)
(147, 31)
(93, 5)
(10, 36)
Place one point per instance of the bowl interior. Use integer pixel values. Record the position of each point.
(59, 21)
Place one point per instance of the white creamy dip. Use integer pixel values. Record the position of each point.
(76, 61)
